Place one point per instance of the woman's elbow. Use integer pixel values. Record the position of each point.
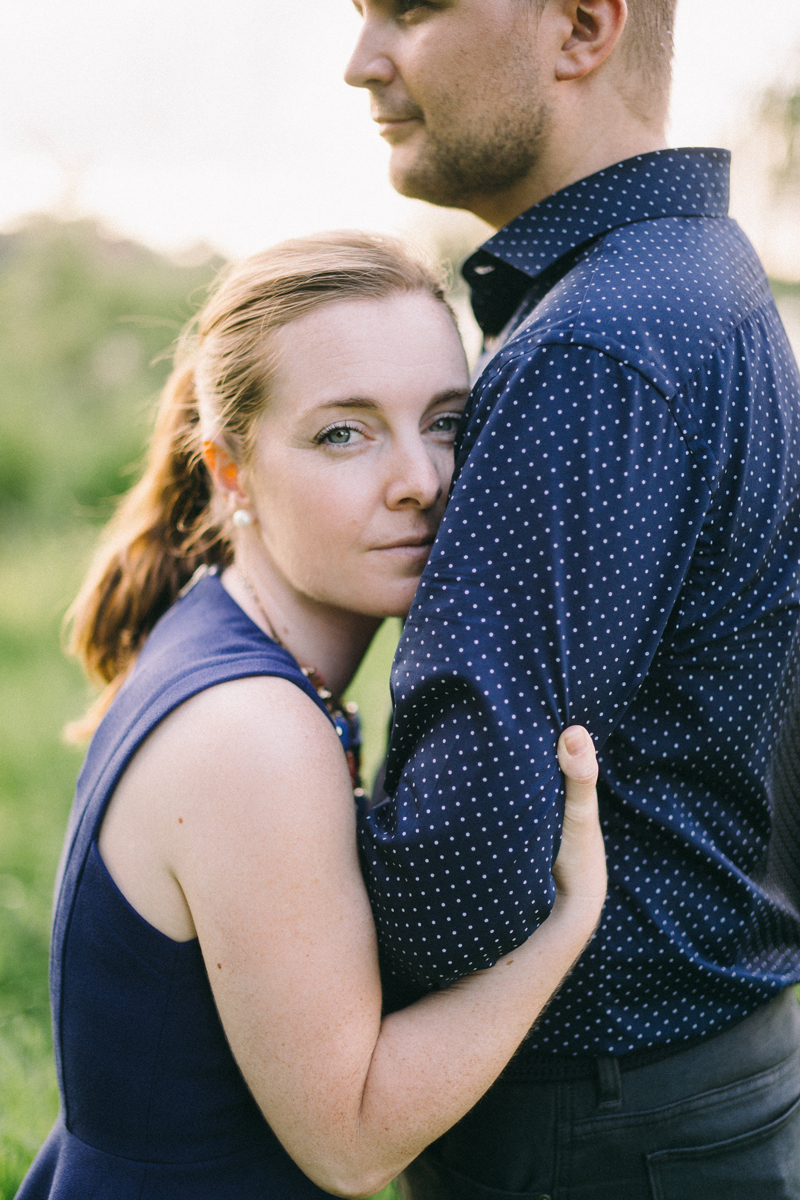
(350, 1181)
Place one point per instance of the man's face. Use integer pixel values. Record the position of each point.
(455, 87)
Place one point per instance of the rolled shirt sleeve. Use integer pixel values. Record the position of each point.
(573, 517)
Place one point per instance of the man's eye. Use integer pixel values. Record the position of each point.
(407, 7)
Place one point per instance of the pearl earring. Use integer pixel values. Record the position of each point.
(242, 518)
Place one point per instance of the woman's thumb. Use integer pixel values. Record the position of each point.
(576, 756)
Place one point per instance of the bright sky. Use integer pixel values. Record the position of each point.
(186, 120)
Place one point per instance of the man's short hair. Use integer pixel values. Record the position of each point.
(649, 41)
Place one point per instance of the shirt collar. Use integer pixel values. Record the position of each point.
(666, 183)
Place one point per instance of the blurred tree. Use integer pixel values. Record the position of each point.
(84, 323)
(446, 237)
(766, 173)
(780, 114)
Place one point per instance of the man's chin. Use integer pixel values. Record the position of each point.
(422, 181)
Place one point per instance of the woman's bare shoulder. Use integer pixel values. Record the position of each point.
(261, 712)
(251, 739)
(228, 769)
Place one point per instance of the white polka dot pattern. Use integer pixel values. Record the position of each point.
(620, 549)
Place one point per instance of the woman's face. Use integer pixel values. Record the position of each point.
(353, 457)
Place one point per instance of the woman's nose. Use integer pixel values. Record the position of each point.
(416, 480)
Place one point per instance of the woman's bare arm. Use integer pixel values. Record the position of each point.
(248, 812)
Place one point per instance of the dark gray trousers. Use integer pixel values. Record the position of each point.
(717, 1121)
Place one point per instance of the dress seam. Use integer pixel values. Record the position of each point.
(156, 1058)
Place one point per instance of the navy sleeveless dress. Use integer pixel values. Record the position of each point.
(153, 1106)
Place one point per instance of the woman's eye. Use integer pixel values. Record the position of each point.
(338, 435)
(447, 424)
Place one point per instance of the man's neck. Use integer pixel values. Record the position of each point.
(576, 153)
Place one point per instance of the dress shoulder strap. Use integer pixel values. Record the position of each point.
(204, 639)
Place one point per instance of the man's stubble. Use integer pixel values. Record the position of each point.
(487, 153)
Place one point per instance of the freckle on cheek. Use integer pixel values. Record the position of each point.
(180, 820)
(219, 966)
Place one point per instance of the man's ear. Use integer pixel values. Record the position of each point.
(596, 27)
(224, 470)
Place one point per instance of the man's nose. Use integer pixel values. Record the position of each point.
(369, 65)
(415, 480)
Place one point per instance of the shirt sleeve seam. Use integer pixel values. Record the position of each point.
(670, 400)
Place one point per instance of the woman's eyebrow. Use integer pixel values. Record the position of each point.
(364, 401)
(450, 394)
(349, 402)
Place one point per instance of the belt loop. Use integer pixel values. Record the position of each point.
(609, 1083)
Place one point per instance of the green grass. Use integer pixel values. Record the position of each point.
(28, 1097)
(38, 690)
(370, 690)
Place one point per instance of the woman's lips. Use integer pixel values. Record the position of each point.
(413, 550)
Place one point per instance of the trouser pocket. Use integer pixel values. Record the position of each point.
(763, 1164)
(427, 1179)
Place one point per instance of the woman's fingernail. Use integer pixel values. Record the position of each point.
(575, 740)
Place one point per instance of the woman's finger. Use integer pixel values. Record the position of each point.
(578, 761)
(580, 868)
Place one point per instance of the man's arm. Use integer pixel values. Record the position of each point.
(568, 535)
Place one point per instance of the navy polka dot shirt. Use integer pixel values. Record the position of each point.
(620, 549)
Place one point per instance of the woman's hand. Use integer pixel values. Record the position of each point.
(580, 868)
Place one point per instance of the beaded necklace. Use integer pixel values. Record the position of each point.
(343, 715)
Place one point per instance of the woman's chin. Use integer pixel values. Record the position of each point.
(393, 606)
(386, 597)
(402, 605)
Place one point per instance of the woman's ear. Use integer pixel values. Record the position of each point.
(224, 470)
(596, 28)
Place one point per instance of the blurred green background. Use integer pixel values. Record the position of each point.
(86, 323)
